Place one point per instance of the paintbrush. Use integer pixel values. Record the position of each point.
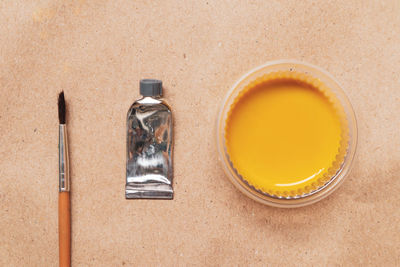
(64, 208)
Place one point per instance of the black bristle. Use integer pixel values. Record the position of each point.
(61, 108)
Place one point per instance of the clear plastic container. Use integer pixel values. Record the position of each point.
(334, 87)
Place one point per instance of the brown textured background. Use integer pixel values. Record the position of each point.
(96, 51)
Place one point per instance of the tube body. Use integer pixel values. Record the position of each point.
(149, 150)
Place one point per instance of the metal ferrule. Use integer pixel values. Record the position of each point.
(63, 163)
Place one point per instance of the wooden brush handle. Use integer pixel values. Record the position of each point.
(64, 229)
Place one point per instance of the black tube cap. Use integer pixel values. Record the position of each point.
(150, 87)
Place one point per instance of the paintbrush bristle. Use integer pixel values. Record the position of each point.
(61, 108)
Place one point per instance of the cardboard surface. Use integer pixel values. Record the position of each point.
(96, 51)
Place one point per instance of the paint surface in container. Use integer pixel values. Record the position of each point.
(286, 134)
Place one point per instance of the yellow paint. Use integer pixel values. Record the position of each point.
(284, 134)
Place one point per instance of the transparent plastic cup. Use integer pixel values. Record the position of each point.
(334, 87)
